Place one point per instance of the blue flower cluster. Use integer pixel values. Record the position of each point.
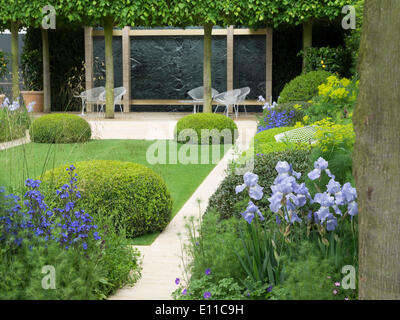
(288, 196)
(275, 119)
(255, 192)
(64, 225)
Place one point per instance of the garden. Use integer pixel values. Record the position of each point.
(305, 211)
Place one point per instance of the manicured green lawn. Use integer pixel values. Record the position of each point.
(33, 159)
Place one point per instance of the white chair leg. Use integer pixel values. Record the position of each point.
(245, 110)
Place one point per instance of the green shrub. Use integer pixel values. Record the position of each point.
(213, 247)
(193, 129)
(309, 276)
(264, 142)
(336, 99)
(135, 197)
(229, 204)
(303, 87)
(60, 128)
(334, 60)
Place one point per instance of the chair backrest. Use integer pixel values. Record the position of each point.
(228, 97)
(93, 94)
(243, 93)
(119, 93)
(198, 93)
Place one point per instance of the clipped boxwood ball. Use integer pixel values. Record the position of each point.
(303, 87)
(206, 128)
(60, 128)
(134, 196)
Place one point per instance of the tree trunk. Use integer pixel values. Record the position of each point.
(307, 39)
(207, 69)
(46, 71)
(377, 151)
(108, 30)
(14, 60)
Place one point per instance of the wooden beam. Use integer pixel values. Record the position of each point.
(181, 32)
(126, 67)
(88, 62)
(160, 102)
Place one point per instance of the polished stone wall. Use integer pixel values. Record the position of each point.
(249, 64)
(166, 67)
(99, 69)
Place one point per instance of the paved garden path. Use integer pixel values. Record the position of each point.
(162, 260)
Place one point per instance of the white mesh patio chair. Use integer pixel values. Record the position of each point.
(303, 135)
(118, 95)
(90, 96)
(197, 95)
(227, 98)
(242, 96)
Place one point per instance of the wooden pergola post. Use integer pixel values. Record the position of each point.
(88, 62)
(229, 61)
(126, 67)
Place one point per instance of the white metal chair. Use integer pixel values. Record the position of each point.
(197, 95)
(227, 98)
(242, 96)
(118, 94)
(90, 96)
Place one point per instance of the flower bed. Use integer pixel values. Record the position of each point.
(87, 260)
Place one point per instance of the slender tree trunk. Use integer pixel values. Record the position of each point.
(108, 30)
(207, 69)
(377, 151)
(46, 71)
(307, 39)
(14, 60)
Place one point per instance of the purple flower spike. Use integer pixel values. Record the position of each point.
(208, 271)
(207, 295)
(177, 281)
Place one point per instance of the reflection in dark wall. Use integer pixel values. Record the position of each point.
(168, 67)
(99, 68)
(249, 66)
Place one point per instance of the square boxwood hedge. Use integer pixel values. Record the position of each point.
(191, 129)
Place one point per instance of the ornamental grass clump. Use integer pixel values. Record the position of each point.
(14, 120)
